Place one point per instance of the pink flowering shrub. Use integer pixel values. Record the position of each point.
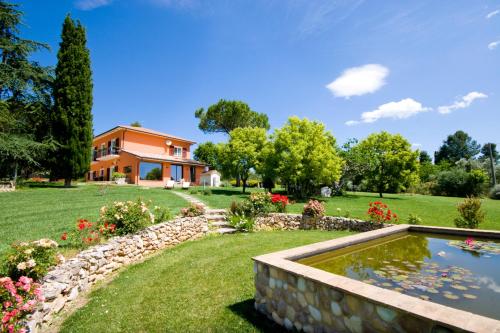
(18, 299)
(128, 217)
(193, 210)
(314, 208)
(30, 259)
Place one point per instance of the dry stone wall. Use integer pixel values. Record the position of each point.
(281, 221)
(67, 280)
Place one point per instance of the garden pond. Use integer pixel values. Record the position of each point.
(459, 272)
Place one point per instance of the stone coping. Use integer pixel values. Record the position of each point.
(454, 318)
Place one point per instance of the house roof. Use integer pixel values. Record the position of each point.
(144, 130)
(210, 172)
(161, 157)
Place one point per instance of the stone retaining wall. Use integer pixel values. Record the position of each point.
(63, 284)
(305, 305)
(282, 221)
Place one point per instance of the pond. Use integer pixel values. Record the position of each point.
(460, 272)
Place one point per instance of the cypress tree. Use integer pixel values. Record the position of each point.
(72, 117)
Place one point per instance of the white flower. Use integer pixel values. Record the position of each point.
(103, 209)
(23, 244)
(60, 258)
(28, 251)
(45, 242)
(31, 263)
(21, 266)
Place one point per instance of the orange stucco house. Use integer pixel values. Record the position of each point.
(147, 157)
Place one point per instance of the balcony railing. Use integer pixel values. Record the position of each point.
(110, 151)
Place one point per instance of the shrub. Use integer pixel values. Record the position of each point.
(379, 212)
(161, 214)
(413, 219)
(242, 223)
(460, 183)
(314, 208)
(207, 191)
(18, 300)
(252, 183)
(280, 202)
(194, 191)
(261, 202)
(495, 192)
(30, 259)
(471, 214)
(193, 210)
(87, 233)
(117, 175)
(242, 208)
(128, 217)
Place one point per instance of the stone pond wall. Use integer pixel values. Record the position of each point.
(281, 221)
(63, 283)
(309, 306)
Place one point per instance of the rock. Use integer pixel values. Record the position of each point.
(315, 313)
(326, 192)
(386, 314)
(336, 309)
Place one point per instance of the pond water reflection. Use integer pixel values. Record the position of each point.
(460, 272)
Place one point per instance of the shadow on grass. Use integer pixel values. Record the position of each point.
(45, 185)
(246, 310)
(228, 192)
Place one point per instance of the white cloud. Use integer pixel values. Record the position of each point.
(493, 13)
(462, 103)
(493, 45)
(351, 122)
(416, 145)
(357, 81)
(405, 108)
(91, 4)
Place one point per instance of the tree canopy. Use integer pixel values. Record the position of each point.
(485, 152)
(243, 152)
(305, 156)
(25, 97)
(209, 153)
(226, 116)
(135, 124)
(72, 118)
(392, 165)
(457, 146)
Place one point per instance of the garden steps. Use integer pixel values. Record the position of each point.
(224, 231)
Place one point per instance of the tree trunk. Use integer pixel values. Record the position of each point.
(244, 185)
(380, 194)
(492, 166)
(238, 181)
(67, 182)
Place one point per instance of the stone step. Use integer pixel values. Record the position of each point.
(215, 212)
(224, 231)
(216, 217)
(221, 224)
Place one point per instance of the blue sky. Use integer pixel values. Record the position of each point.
(420, 68)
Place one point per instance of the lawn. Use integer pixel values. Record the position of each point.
(38, 212)
(200, 286)
(433, 210)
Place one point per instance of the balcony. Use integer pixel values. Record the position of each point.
(107, 154)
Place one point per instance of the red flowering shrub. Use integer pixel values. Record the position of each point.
(379, 212)
(17, 300)
(280, 202)
(87, 233)
(314, 208)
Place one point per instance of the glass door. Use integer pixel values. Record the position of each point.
(176, 172)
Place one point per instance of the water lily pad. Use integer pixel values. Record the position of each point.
(473, 286)
(398, 289)
(425, 297)
(469, 296)
(458, 287)
(432, 291)
(379, 272)
(444, 279)
(451, 296)
(387, 284)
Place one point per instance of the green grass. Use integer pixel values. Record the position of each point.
(201, 286)
(433, 210)
(33, 213)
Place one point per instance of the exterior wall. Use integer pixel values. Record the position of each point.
(152, 144)
(302, 304)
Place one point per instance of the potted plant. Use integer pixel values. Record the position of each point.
(313, 211)
(119, 178)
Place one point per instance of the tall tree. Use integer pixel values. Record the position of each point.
(135, 124)
(25, 97)
(392, 163)
(226, 116)
(424, 157)
(457, 146)
(485, 152)
(305, 156)
(72, 118)
(354, 166)
(209, 153)
(243, 152)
